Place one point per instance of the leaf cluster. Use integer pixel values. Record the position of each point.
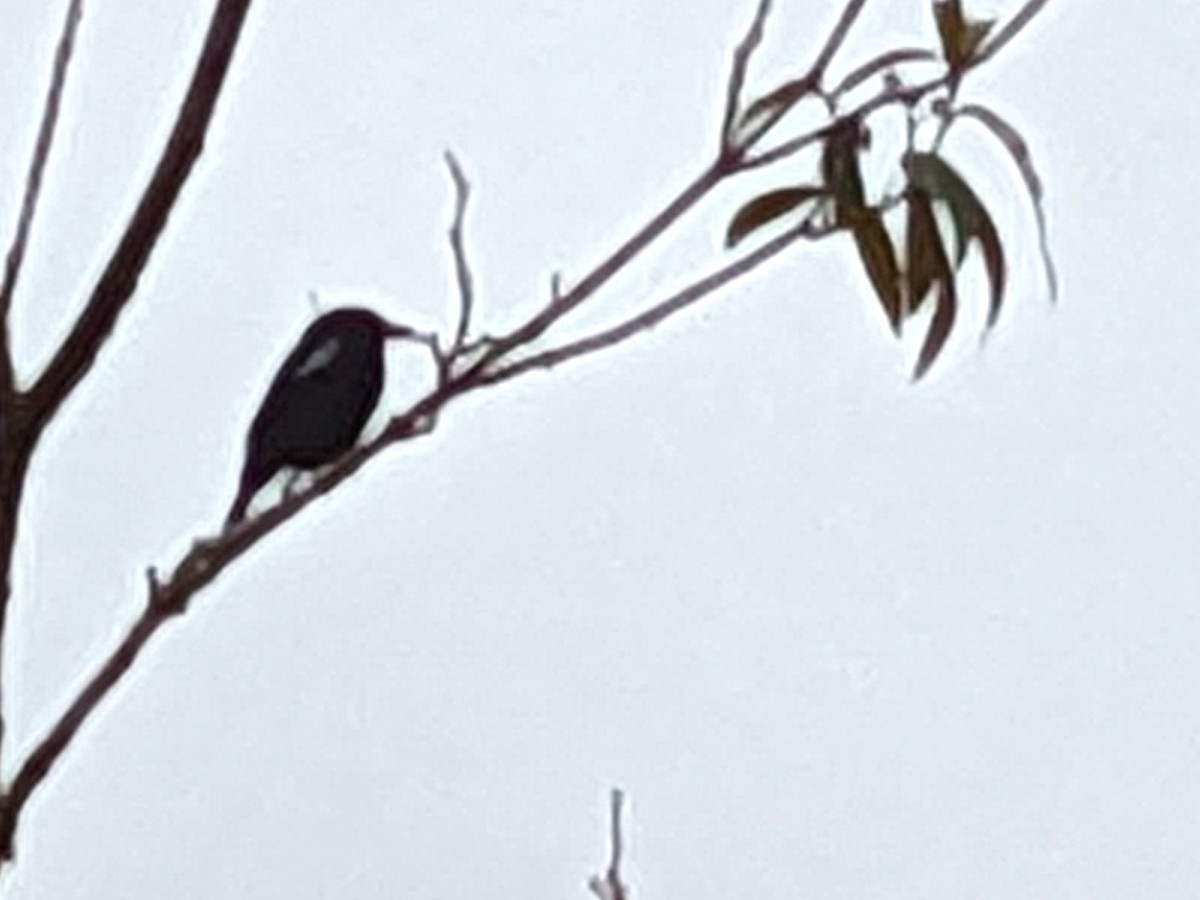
(904, 273)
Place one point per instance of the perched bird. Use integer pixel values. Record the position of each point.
(319, 401)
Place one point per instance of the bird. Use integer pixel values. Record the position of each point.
(319, 400)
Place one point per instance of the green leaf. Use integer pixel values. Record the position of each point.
(1019, 151)
(879, 262)
(765, 209)
(971, 220)
(961, 37)
(839, 168)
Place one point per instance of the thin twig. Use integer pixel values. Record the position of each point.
(664, 309)
(836, 37)
(770, 109)
(33, 184)
(611, 886)
(559, 306)
(737, 74)
(1010, 30)
(462, 267)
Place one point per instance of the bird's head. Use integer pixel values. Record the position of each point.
(367, 322)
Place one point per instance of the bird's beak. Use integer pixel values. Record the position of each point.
(403, 332)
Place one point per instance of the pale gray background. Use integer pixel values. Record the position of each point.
(838, 636)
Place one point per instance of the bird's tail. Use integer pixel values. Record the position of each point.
(237, 512)
(247, 488)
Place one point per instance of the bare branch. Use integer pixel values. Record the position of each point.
(33, 185)
(737, 74)
(836, 37)
(662, 310)
(769, 109)
(462, 268)
(611, 886)
(1010, 30)
(77, 353)
(598, 277)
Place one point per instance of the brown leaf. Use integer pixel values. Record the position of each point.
(926, 258)
(767, 208)
(839, 168)
(939, 328)
(934, 175)
(960, 36)
(879, 261)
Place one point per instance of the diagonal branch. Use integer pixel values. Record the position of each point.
(661, 311)
(33, 186)
(1011, 29)
(836, 38)
(77, 353)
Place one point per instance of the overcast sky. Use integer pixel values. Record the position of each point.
(837, 635)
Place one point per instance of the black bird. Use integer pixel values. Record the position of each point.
(320, 399)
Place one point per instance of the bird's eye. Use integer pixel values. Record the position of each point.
(319, 358)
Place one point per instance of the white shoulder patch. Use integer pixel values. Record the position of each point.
(319, 358)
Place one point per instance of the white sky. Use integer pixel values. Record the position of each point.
(837, 636)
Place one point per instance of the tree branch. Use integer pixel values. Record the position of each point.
(663, 310)
(33, 188)
(836, 38)
(120, 277)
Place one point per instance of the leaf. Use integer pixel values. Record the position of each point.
(960, 36)
(927, 265)
(1019, 151)
(767, 208)
(939, 328)
(839, 168)
(934, 175)
(926, 261)
(879, 262)
(775, 105)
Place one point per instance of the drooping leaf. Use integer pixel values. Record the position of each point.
(926, 260)
(767, 208)
(971, 220)
(960, 36)
(939, 328)
(839, 168)
(879, 261)
(1019, 151)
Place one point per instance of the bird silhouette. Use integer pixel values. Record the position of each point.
(319, 400)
